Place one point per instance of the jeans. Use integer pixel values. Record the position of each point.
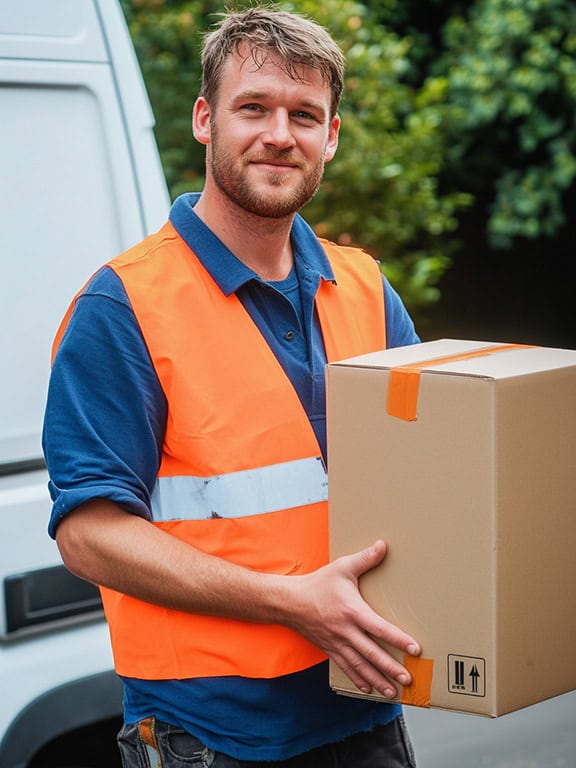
(153, 744)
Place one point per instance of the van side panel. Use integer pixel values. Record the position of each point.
(80, 181)
(68, 202)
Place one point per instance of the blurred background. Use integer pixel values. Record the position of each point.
(457, 161)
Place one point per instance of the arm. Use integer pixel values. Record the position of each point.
(400, 331)
(100, 542)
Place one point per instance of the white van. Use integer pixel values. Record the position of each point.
(80, 181)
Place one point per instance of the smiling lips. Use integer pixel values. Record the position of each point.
(278, 163)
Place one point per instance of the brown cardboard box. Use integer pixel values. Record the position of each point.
(476, 499)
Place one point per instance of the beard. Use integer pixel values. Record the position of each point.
(281, 199)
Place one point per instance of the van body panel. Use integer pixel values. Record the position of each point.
(61, 30)
(80, 181)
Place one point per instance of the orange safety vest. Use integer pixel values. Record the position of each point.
(241, 475)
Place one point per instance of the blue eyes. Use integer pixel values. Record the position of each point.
(297, 115)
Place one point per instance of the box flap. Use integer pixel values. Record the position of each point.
(494, 360)
(453, 357)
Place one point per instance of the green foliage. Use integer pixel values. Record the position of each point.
(510, 67)
(447, 103)
(382, 191)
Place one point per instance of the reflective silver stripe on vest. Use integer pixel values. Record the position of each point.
(239, 494)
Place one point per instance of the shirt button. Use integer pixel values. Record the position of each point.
(289, 335)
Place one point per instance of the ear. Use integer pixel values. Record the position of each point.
(332, 141)
(201, 120)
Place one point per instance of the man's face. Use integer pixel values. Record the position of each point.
(268, 136)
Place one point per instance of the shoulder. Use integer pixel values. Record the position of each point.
(105, 284)
(347, 253)
(100, 314)
(149, 252)
(352, 262)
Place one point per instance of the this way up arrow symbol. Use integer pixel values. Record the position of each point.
(474, 674)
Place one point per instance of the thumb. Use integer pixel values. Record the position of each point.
(368, 558)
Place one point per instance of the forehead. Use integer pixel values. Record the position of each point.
(263, 69)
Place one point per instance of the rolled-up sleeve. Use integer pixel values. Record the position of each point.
(106, 412)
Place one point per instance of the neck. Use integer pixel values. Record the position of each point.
(261, 243)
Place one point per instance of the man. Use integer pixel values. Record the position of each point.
(185, 437)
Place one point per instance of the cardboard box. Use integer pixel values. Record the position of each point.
(466, 467)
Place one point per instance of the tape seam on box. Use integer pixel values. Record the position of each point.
(419, 692)
(404, 381)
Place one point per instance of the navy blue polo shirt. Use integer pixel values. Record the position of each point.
(103, 435)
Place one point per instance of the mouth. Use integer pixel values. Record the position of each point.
(274, 164)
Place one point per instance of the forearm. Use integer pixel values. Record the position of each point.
(102, 543)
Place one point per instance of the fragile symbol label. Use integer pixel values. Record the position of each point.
(467, 675)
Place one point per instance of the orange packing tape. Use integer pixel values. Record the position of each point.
(418, 693)
(404, 380)
(403, 393)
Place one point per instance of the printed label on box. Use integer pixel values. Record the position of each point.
(467, 675)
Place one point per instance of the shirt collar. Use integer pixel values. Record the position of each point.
(229, 272)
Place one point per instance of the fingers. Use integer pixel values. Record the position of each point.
(327, 608)
(362, 657)
(391, 634)
(366, 559)
(372, 622)
(370, 667)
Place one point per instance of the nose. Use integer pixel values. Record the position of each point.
(278, 131)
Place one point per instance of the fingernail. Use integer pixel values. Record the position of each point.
(413, 649)
(403, 679)
(389, 693)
